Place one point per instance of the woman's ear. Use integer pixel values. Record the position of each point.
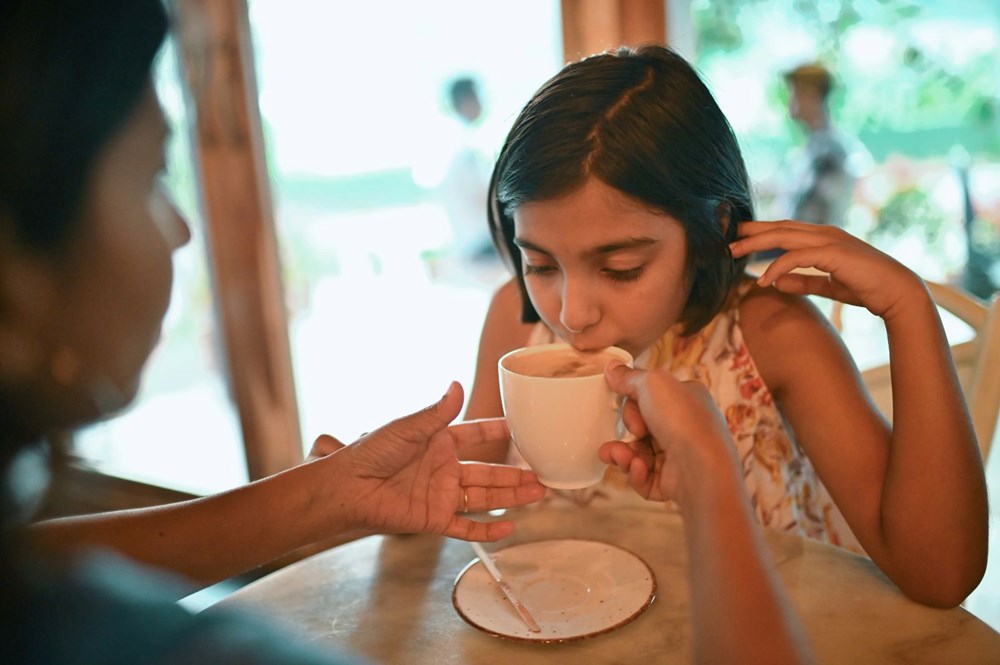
(27, 300)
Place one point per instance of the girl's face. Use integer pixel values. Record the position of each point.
(601, 269)
(114, 286)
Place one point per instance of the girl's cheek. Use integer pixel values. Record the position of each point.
(543, 298)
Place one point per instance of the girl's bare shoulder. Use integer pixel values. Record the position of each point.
(787, 335)
(768, 307)
(503, 330)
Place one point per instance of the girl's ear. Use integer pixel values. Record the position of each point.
(723, 212)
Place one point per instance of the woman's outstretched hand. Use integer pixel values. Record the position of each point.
(856, 272)
(405, 477)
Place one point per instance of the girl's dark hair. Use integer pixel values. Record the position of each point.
(70, 73)
(643, 122)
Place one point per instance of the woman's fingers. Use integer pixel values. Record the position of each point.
(325, 444)
(480, 499)
(483, 474)
(474, 432)
(465, 529)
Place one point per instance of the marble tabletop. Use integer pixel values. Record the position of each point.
(389, 598)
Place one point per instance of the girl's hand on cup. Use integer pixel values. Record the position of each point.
(680, 433)
(855, 272)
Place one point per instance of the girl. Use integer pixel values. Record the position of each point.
(618, 200)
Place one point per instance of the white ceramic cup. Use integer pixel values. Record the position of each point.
(558, 423)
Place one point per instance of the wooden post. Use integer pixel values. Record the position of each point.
(593, 26)
(217, 59)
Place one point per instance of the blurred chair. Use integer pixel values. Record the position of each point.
(977, 361)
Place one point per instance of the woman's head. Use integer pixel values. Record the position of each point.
(84, 260)
(642, 123)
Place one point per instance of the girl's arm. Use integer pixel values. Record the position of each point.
(502, 332)
(404, 477)
(914, 494)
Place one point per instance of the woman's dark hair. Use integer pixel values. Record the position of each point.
(643, 122)
(71, 71)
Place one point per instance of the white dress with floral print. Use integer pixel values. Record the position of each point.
(784, 490)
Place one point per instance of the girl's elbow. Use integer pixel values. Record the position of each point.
(949, 588)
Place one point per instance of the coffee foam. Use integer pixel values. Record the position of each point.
(559, 364)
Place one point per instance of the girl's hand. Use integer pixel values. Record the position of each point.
(857, 273)
(682, 435)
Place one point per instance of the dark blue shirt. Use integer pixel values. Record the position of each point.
(109, 611)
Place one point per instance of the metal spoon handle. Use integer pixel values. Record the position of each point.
(522, 611)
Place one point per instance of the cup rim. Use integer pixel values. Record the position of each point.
(621, 353)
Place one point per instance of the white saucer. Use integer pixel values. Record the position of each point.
(573, 588)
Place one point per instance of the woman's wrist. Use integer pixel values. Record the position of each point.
(326, 499)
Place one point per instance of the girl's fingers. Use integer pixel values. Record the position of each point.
(825, 259)
(752, 228)
(800, 284)
(788, 235)
(790, 239)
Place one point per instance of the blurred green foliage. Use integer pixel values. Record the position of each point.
(927, 105)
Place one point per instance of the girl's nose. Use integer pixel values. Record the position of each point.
(579, 309)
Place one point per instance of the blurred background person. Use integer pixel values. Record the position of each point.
(458, 169)
(467, 178)
(823, 172)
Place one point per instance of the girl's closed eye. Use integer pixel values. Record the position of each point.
(538, 270)
(624, 275)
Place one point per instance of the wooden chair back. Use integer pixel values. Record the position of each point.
(977, 362)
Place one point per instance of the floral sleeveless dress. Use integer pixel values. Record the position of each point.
(784, 490)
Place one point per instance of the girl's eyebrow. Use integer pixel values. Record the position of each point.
(630, 243)
(600, 250)
(527, 244)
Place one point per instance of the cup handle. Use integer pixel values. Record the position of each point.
(621, 432)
